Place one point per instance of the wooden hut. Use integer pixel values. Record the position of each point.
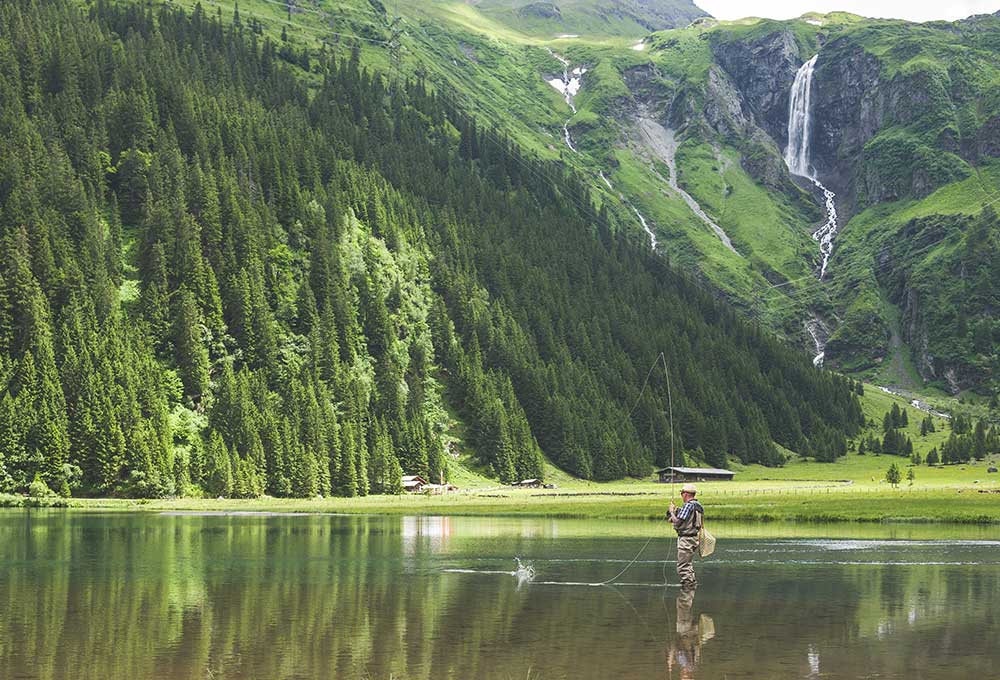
(413, 483)
(686, 474)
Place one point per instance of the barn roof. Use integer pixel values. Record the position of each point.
(697, 471)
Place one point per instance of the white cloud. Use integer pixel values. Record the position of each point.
(912, 10)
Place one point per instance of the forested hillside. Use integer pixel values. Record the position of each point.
(235, 268)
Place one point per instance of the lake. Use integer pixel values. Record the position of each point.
(137, 595)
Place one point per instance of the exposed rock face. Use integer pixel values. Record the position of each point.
(724, 106)
(850, 103)
(763, 70)
(540, 10)
(988, 139)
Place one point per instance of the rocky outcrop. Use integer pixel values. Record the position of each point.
(540, 10)
(988, 139)
(763, 70)
(851, 105)
(727, 111)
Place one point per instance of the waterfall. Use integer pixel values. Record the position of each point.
(797, 156)
(645, 227)
(797, 151)
(568, 86)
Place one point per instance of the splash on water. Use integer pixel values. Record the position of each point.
(525, 573)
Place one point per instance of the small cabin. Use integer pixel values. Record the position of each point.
(687, 474)
(529, 484)
(413, 483)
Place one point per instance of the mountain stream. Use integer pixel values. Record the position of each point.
(568, 85)
(798, 162)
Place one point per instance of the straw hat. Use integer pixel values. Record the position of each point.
(689, 488)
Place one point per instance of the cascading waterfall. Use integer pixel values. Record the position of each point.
(797, 155)
(797, 160)
(568, 85)
(799, 119)
(645, 227)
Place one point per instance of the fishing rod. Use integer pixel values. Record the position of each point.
(670, 410)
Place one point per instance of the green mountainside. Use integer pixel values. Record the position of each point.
(681, 134)
(235, 264)
(602, 17)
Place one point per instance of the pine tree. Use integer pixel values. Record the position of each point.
(218, 479)
(892, 475)
(191, 354)
(932, 457)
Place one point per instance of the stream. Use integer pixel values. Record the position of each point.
(568, 85)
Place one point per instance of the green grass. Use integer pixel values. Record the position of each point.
(760, 223)
(760, 501)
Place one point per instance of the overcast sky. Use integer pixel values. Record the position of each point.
(913, 10)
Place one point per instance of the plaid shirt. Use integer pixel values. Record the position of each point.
(687, 524)
(688, 508)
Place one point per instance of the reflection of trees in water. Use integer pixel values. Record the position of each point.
(177, 597)
(196, 597)
(852, 621)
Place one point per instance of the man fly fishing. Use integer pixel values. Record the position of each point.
(687, 522)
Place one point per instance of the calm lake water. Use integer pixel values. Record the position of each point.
(132, 596)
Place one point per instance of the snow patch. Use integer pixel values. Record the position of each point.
(568, 85)
(639, 46)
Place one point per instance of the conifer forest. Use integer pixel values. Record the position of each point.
(230, 268)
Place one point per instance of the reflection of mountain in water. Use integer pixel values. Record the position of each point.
(179, 597)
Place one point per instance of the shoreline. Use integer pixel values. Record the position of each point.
(855, 506)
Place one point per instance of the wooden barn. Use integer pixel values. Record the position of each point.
(414, 483)
(686, 474)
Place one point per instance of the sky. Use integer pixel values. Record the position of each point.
(912, 10)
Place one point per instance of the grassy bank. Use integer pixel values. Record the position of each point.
(764, 500)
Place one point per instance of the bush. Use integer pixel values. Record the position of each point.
(39, 489)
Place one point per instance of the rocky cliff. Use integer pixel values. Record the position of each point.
(899, 111)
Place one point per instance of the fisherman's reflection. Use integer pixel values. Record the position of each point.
(684, 652)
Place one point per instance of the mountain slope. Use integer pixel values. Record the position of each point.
(236, 265)
(906, 134)
(682, 136)
(629, 18)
